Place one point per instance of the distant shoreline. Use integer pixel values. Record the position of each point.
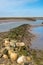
(20, 18)
(16, 19)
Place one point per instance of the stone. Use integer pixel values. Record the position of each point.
(21, 60)
(24, 59)
(13, 55)
(12, 43)
(28, 59)
(20, 44)
(5, 56)
(7, 42)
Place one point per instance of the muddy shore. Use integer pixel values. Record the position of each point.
(16, 19)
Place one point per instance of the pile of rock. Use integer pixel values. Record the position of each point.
(11, 51)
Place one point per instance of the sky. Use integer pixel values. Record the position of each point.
(21, 8)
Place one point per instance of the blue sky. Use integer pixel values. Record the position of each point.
(17, 8)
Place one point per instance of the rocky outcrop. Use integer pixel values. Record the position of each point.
(16, 46)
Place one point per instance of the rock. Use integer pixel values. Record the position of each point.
(5, 56)
(21, 60)
(13, 55)
(28, 59)
(20, 44)
(7, 42)
(24, 59)
(12, 43)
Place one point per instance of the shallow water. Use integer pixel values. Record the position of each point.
(9, 25)
(38, 41)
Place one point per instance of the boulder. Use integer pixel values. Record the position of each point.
(21, 59)
(13, 56)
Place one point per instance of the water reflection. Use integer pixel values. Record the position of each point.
(38, 41)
